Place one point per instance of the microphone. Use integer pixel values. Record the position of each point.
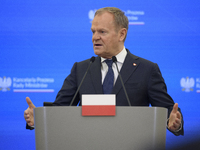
(92, 59)
(114, 59)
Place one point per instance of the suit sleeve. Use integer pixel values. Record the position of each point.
(158, 95)
(29, 127)
(66, 93)
(69, 87)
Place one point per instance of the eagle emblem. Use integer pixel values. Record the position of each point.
(91, 14)
(187, 84)
(5, 83)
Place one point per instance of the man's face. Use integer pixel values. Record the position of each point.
(105, 38)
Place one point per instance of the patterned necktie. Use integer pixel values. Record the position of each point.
(109, 79)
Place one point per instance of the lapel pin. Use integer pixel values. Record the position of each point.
(134, 64)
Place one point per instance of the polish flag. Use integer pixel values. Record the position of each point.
(98, 105)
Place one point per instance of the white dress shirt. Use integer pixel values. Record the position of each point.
(120, 60)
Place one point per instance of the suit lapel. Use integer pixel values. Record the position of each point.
(129, 66)
(95, 71)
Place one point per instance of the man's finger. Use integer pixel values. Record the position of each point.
(30, 124)
(178, 121)
(178, 115)
(29, 102)
(175, 108)
(25, 112)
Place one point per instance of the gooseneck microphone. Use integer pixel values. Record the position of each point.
(114, 59)
(92, 59)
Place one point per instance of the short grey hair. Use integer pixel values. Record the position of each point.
(120, 20)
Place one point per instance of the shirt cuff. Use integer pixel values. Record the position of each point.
(175, 130)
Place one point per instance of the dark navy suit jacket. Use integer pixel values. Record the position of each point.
(144, 84)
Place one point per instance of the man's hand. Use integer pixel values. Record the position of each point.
(28, 113)
(174, 119)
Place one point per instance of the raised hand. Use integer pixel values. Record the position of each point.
(174, 119)
(28, 113)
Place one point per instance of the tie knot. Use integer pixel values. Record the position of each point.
(109, 62)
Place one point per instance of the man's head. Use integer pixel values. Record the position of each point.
(109, 28)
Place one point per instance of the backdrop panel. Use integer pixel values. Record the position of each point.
(40, 41)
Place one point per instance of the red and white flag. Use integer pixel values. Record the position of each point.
(98, 105)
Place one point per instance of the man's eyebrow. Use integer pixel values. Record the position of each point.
(99, 29)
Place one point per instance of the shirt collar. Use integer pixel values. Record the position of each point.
(120, 57)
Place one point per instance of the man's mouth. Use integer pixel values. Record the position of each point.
(97, 44)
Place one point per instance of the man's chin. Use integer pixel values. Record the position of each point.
(97, 51)
(100, 54)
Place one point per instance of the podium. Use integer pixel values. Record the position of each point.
(133, 128)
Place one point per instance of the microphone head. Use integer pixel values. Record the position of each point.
(114, 59)
(92, 59)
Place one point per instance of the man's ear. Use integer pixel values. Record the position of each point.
(122, 34)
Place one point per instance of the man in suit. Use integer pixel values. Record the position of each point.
(142, 78)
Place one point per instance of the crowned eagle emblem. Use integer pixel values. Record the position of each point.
(5, 83)
(187, 84)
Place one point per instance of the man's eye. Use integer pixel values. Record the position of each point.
(102, 31)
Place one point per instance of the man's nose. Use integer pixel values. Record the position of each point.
(95, 37)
